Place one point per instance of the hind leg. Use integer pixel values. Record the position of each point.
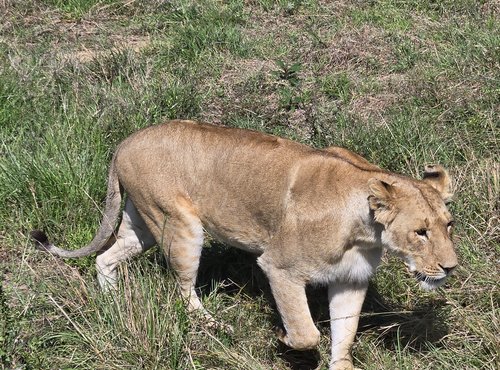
(133, 238)
(180, 233)
(182, 245)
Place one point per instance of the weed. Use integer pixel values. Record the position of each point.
(288, 73)
(291, 95)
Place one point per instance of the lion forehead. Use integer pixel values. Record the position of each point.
(423, 203)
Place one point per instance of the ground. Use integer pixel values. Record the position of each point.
(403, 83)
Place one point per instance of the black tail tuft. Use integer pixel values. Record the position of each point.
(40, 238)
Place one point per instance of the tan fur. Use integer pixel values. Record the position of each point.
(312, 216)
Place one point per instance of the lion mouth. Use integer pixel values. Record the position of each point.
(429, 282)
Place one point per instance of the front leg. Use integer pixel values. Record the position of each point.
(345, 301)
(290, 296)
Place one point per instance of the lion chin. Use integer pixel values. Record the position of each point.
(429, 283)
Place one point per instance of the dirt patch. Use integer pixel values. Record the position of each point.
(86, 40)
(491, 8)
(371, 108)
(84, 54)
(362, 48)
(358, 51)
(391, 89)
(80, 40)
(235, 74)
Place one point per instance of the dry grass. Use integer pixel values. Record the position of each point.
(400, 82)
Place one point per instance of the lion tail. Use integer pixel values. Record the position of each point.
(106, 229)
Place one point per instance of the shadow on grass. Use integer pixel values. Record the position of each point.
(233, 271)
(239, 272)
(414, 330)
(417, 330)
(299, 360)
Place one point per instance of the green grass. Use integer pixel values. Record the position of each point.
(401, 82)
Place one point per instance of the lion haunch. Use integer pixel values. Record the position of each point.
(311, 216)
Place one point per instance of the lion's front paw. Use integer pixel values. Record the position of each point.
(343, 364)
(299, 342)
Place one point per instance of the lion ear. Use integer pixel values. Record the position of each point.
(382, 200)
(436, 176)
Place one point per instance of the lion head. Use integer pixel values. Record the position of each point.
(417, 224)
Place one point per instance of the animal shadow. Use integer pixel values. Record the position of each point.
(233, 271)
(299, 360)
(417, 330)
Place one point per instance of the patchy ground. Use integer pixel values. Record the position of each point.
(402, 83)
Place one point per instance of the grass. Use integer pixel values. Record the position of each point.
(401, 82)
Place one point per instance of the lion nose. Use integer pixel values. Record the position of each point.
(448, 270)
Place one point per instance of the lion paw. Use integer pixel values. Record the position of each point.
(299, 343)
(212, 324)
(342, 365)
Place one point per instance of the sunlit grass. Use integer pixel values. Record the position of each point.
(403, 83)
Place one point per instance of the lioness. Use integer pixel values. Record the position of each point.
(312, 216)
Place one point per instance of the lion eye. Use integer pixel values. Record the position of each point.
(421, 232)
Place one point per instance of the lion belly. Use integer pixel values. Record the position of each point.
(245, 241)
